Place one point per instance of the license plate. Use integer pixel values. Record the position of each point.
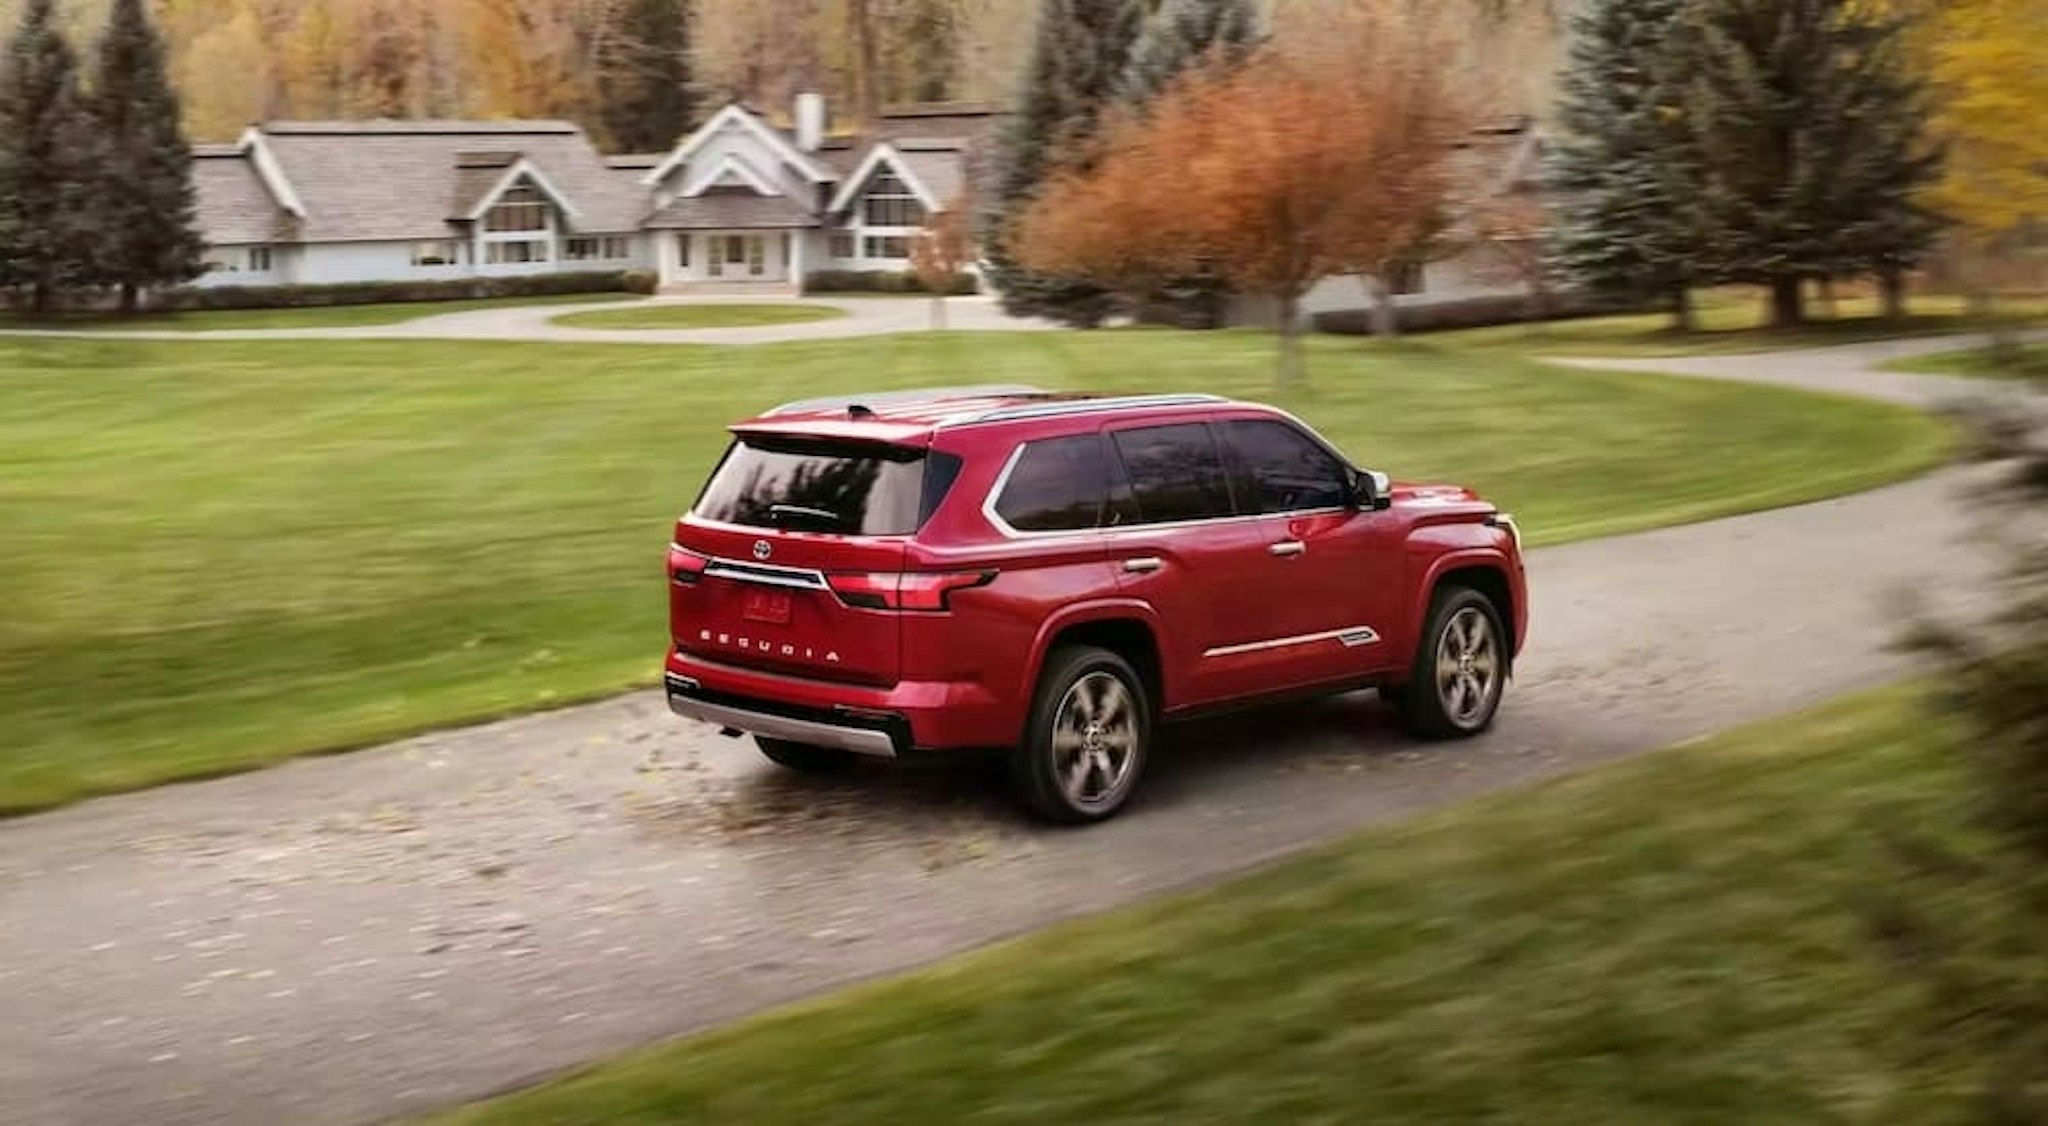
(771, 606)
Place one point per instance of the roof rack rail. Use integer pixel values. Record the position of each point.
(1082, 406)
(897, 398)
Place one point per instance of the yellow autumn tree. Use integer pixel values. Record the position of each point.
(1987, 60)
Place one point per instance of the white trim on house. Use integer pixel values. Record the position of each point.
(271, 172)
(851, 189)
(521, 168)
(732, 162)
(733, 113)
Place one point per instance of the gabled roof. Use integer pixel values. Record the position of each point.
(738, 114)
(234, 205)
(734, 163)
(404, 180)
(883, 154)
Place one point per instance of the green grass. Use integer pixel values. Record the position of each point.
(1731, 322)
(334, 316)
(1670, 940)
(2030, 361)
(706, 315)
(215, 555)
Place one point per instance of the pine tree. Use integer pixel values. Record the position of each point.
(1814, 137)
(47, 162)
(145, 208)
(1077, 61)
(1628, 174)
(1182, 32)
(644, 77)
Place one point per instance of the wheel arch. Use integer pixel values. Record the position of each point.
(1483, 571)
(1130, 629)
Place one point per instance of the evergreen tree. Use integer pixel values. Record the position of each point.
(1182, 32)
(145, 208)
(1077, 62)
(1814, 137)
(644, 76)
(47, 162)
(1628, 171)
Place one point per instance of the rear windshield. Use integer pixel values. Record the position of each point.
(847, 488)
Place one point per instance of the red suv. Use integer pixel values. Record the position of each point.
(1054, 575)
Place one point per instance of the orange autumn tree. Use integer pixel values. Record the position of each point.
(1290, 167)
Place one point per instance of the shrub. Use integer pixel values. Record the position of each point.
(880, 281)
(1965, 913)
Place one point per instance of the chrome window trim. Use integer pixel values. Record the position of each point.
(1002, 526)
(1078, 407)
(1351, 636)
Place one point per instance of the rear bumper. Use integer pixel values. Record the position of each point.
(908, 716)
(876, 735)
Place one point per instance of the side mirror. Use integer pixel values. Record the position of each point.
(1371, 490)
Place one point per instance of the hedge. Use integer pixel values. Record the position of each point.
(388, 292)
(1472, 312)
(880, 281)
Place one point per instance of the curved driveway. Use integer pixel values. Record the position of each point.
(345, 939)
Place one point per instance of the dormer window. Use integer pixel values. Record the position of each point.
(521, 208)
(889, 203)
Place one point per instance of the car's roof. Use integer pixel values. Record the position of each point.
(912, 416)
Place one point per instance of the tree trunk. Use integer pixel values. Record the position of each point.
(39, 298)
(1893, 282)
(1682, 319)
(1788, 302)
(1385, 322)
(130, 298)
(939, 311)
(1293, 370)
(1829, 307)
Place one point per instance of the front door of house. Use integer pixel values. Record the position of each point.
(737, 256)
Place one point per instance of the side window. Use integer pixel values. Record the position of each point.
(1283, 469)
(1175, 472)
(1057, 485)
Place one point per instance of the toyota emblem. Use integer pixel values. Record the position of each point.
(762, 549)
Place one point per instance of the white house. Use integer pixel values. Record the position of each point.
(738, 202)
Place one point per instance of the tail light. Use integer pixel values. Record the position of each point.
(925, 591)
(685, 567)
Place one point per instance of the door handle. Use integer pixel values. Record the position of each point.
(1144, 565)
(1289, 547)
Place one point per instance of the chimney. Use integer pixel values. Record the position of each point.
(810, 121)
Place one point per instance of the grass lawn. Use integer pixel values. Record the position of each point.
(1669, 940)
(215, 555)
(1733, 322)
(335, 316)
(706, 315)
(2030, 362)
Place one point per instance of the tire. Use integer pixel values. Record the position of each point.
(804, 758)
(1458, 676)
(1089, 736)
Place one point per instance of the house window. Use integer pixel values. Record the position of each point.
(521, 208)
(889, 203)
(885, 246)
(514, 253)
(843, 245)
(438, 253)
(591, 249)
(683, 250)
(259, 259)
(1405, 277)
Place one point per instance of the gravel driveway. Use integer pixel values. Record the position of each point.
(346, 939)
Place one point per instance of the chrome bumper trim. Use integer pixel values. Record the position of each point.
(859, 740)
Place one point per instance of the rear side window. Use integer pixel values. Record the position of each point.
(1056, 485)
(848, 488)
(1175, 472)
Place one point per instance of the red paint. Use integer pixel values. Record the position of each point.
(947, 627)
